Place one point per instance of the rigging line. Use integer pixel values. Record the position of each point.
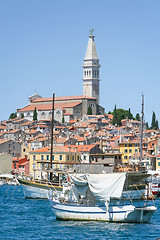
(13, 191)
(7, 192)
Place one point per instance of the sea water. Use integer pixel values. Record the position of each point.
(33, 219)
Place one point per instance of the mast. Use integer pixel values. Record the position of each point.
(52, 126)
(141, 137)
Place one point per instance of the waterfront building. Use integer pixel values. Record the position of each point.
(11, 147)
(5, 163)
(62, 158)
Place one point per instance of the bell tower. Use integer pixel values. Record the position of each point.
(91, 68)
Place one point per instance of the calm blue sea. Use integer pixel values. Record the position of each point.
(33, 219)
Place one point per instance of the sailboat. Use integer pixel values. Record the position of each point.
(39, 188)
(97, 197)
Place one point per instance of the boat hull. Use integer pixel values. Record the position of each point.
(37, 190)
(128, 213)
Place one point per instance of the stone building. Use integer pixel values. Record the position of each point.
(71, 107)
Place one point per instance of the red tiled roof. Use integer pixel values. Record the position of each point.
(81, 148)
(47, 107)
(4, 140)
(61, 98)
(61, 149)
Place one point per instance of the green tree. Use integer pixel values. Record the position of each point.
(130, 116)
(153, 123)
(89, 111)
(35, 115)
(13, 115)
(138, 117)
(114, 121)
(147, 126)
(156, 125)
(120, 114)
(63, 119)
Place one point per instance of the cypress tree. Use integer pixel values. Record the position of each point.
(156, 125)
(114, 116)
(63, 119)
(138, 117)
(35, 115)
(153, 124)
(89, 111)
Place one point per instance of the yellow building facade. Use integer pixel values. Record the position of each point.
(62, 158)
(128, 149)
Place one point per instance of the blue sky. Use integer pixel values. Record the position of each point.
(43, 44)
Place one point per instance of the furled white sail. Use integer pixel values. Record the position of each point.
(102, 186)
(106, 186)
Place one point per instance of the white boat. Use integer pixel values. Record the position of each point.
(91, 198)
(33, 189)
(1, 182)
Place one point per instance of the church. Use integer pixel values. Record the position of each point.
(71, 107)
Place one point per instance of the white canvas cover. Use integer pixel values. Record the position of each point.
(102, 186)
(106, 186)
(81, 182)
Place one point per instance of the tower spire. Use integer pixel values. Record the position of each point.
(91, 70)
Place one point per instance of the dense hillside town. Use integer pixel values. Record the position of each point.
(83, 133)
(91, 139)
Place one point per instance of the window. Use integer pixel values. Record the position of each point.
(24, 149)
(125, 150)
(136, 145)
(125, 157)
(52, 157)
(130, 145)
(34, 157)
(159, 164)
(84, 157)
(78, 158)
(125, 145)
(34, 166)
(68, 157)
(42, 157)
(60, 157)
(47, 157)
(72, 158)
(136, 150)
(130, 150)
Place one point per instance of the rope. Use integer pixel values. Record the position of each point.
(13, 191)
(7, 192)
